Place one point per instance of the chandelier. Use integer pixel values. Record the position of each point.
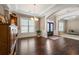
(34, 17)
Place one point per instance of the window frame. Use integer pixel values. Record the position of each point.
(26, 18)
(62, 26)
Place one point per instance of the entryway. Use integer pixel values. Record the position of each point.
(50, 28)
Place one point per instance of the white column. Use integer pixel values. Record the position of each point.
(56, 30)
(45, 30)
(43, 26)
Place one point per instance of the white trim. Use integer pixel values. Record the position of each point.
(75, 37)
(48, 9)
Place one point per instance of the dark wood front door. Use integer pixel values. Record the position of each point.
(50, 28)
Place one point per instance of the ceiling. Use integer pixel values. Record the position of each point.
(31, 9)
(61, 10)
(65, 11)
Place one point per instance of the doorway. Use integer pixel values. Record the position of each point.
(50, 28)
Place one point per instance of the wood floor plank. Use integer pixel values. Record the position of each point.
(43, 46)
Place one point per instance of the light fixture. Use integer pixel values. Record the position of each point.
(34, 17)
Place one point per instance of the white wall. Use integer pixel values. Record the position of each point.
(22, 35)
(73, 24)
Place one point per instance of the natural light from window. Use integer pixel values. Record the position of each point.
(61, 26)
(27, 25)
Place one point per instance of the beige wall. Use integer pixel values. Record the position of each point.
(73, 24)
(1, 10)
(3, 7)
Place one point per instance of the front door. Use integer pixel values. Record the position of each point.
(50, 28)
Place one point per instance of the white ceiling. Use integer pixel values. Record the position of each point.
(32, 9)
(66, 11)
(61, 10)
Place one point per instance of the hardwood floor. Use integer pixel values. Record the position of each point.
(42, 46)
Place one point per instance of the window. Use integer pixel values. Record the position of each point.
(27, 25)
(31, 26)
(61, 26)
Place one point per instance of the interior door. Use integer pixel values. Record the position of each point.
(50, 28)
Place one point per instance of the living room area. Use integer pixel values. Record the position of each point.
(39, 29)
(71, 29)
(68, 27)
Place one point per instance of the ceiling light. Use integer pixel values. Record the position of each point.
(34, 17)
